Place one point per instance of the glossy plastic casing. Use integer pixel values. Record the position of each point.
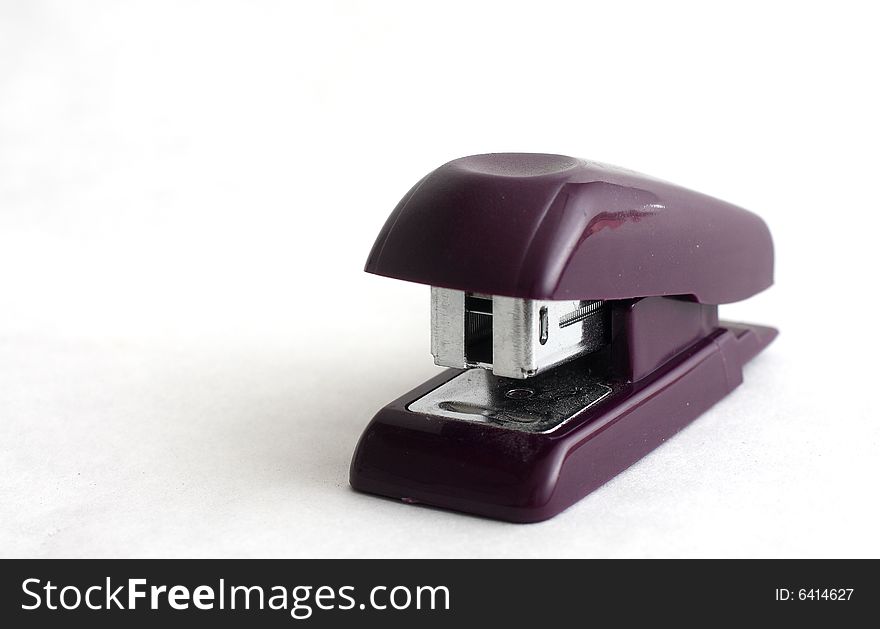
(556, 227)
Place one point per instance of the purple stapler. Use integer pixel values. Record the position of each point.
(576, 305)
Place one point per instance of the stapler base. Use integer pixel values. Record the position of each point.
(487, 469)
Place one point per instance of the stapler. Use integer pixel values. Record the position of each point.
(576, 305)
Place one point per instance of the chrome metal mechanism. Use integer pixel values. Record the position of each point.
(540, 405)
(515, 338)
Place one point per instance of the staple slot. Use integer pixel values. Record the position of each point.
(576, 316)
(478, 330)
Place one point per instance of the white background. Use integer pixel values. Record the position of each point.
(189, 349)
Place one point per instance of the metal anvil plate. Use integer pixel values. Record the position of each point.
(536, 405)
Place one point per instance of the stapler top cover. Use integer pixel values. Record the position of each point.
(539, 226)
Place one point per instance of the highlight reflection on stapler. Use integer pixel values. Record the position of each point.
(577, 307)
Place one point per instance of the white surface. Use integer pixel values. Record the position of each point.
(189, 349)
